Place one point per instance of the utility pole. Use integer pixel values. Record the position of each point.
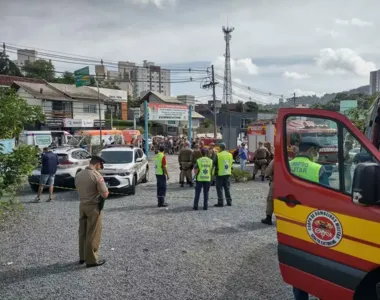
(212, 84)
(294, 99)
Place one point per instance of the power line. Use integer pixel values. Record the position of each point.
(75, 59)
(250, 89)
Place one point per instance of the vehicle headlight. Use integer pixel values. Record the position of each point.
(124, 174)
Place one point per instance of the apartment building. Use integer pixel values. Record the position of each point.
(374, 82)
(24, 56)
(150, 77)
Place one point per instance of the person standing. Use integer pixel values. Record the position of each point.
(50, 164)
(269, 171)
(185, 166)
(223, 168)
(161, 175)
(243, 155)
(212, 154)
(261, 157)
(203, 171)
(92, 191)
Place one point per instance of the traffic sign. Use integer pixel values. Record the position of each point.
(82, 77)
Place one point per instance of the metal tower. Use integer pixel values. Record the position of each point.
(227, 90)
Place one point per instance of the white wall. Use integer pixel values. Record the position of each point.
(29, 98)
(79, 113)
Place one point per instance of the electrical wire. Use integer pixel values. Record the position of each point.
(72, 59)
(252, 90)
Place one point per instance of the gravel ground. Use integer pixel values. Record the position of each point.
(175, 253)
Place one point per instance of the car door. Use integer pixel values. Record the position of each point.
(327, 244)
(137, 164)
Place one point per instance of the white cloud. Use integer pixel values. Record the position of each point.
(239, 66)
(323, 31)
(158, 3)
(354, 22)
(345, 60)
(237, 80)
(360, 23)
(295, 75)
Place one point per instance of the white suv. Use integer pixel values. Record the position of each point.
(124, 168)
(71, 161)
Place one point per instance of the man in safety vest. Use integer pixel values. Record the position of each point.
(161, 175)
(305, 164)
(203, 170)
(223, 167)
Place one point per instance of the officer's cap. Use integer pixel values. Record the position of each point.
(308, 142)
(222, 146)
(95, 159)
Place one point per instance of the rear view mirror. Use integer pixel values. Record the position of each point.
(139, 159)
(366, 187)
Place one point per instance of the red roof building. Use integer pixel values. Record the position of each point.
(7, 81)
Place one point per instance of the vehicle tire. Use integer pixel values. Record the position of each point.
(146, 176)
(132, 190)
(34, 187)
(237, 159)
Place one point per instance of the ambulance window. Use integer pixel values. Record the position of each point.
(316, 159)
(353, 154)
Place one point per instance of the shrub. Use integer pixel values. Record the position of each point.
(240, 175)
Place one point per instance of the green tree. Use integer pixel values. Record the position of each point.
(8, 67)
(239, 106)
(40, 68)
(15, 113)
(251, 106)
(66, 78)
(357, 117)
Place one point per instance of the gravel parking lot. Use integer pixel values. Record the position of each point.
(151, 253)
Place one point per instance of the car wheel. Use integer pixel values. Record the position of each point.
(34, 187)
(237, 159)
(146, 176)
(133, 187)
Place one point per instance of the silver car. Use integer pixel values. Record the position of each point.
(71, 161)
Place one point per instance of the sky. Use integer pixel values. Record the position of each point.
(279, 47)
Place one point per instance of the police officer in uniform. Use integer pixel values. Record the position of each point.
(92, 191)
(305, 166)
(161, 175)
(261, 157)
(184, 159)
(223, 167)
(203, 170)
(269, 171)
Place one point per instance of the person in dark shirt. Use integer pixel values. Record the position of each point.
(49, 168)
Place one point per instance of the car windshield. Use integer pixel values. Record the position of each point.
(62, 158)
(325, 139)
(117, 157)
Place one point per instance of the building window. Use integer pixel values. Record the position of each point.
(89, 108)
(245, 122)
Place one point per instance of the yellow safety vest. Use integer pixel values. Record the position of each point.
(158, 163)
(303, 167)
(204, 166)
(225, 161)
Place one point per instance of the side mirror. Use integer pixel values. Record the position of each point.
(366, 187)
(139, 159)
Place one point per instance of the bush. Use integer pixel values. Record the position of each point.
(240, 175)
(120, 123)
(13, 169)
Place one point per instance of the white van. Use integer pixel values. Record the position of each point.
(45, 138)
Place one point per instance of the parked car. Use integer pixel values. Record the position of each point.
(124, 168)
(71, 161)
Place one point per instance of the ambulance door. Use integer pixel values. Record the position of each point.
(328, 246)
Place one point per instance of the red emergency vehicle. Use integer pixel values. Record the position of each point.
(328, 233)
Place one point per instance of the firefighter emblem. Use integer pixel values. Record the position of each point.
(324, 228)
